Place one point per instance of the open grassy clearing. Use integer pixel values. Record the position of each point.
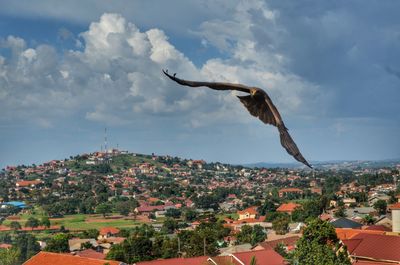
(82, 221)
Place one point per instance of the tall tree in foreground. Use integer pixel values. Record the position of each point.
(27, 246)
(320, 245)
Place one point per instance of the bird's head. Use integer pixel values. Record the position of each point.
(254, 92)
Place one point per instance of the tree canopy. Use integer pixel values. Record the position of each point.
(320, 245)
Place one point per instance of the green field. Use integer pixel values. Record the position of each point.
(80, 221)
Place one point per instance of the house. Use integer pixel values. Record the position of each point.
(49, 258)
(76, 243)
(90, 253)
(373, 247)
(349, 201)
(374, 199)
(345, 223)
(5, 246)
(268, 257)
(250, 212)
(288, 242)
(202, 260)
(316, 190)
(27, 183)
(286, 191)
(288, 207)
(107, 232)
(348, 233)
(360, 211)
(235, 249)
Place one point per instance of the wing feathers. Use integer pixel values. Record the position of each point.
(259, 105)
(258, 108)
(290, 146)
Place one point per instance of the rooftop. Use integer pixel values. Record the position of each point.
(377, 247)
(288, 207)
(48, 258)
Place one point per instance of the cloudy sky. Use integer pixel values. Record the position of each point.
(68, 69)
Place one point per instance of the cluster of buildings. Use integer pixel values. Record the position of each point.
(142, 177)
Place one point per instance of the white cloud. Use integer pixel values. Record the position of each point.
(117, 77)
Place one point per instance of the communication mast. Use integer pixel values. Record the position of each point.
(106, 158)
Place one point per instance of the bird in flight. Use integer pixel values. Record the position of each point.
(259, 104)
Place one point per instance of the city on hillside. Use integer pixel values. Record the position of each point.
(117, 207)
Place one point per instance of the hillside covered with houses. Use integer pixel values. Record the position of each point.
(133, 208)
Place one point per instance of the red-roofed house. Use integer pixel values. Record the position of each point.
(267, 257)
(6, 246)
(250, 212)
(289, 242)
(27, 183)
(263, 257)
(288, 207)
(48, 258)
(283, 192)
(202, 260)
(384, 248)
(347, 233)
(90, 253)
(107, 232)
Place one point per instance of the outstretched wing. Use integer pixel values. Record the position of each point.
(290, 146)
(212, 85)
(261, 106)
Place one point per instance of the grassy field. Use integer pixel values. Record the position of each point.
(80, 221)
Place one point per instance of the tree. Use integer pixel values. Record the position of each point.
(268, 206)
(320, 245)
(281, 249)
(32, 222)
(368, 219)
(380, 206)
(132, 250)
(281, 225)
(27, 246)
(252, 235)
(174, 213)
(14, 225)
(104, 209)
(58, 244)
(125, 207)
(91, 233)
(169, 225)
(5, 238)
(244, 236)
(341, 212)
(275, 215)
(9, 256)
(258, 235)
(190, 215)
(45, 221)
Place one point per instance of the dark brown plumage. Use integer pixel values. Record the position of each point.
(259, 104)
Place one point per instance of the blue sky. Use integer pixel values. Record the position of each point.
(69, 69)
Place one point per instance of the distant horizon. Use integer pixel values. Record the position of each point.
(3, 166)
